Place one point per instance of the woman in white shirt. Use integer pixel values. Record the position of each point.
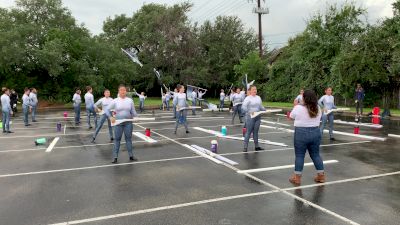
(181, 114)
(252, 104)
(77, 100)
(105, 102)
(307, 136)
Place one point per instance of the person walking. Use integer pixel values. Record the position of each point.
(307, 137)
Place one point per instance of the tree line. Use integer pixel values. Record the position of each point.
(43, 46)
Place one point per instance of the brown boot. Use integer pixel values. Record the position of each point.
(320, 178)
(295, 179)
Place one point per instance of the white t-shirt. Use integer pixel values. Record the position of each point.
(302, 118)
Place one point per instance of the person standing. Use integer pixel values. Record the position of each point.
(299, 98)
(194, 99)
(221, 100)
(237, 101)
(359, 99)
(6, 110)
(173, 100)
(34, 103)
(26, 106)
(105, 102)
(327, 102)
(167, 99)
(124, 109)
(13, 101)
(251, 104)
(77, 100)
(89, 102)
(307, 136)
(180, 102)
(142, 97)
(200, 96)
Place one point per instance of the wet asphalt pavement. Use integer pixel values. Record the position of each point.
(76, 182)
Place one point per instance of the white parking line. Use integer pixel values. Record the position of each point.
(394, 135)
(164, 208)
(227, 198)
(53, 143)
(281, 167)
(93, 167)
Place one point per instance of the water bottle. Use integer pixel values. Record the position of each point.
(244, 131)
(58, 127)
(223, 130)
(214, 146)
(40, 141)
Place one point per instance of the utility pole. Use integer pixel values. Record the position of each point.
(260, 11)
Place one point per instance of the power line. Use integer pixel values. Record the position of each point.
(238, 4)
(215, 9)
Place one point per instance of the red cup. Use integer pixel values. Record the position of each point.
(356, 130)
(148, 133)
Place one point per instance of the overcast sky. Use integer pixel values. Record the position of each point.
(286, 17)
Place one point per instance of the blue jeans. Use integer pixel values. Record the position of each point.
(324, 118)
(141, 105)
(100, 125)
(34, 107)
(252, 126)
(89, 112)
(307, 138)
(181, 119)
(127, 129)
(6, 121)
(77, 109)
(194, 104)
(25, 110)
(237, 110)
(167, 105)
(221, 104)
(174, 108)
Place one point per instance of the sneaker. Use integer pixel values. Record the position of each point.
(187, 132)
(27, 125)
(10, 132)
(245, 150)
(332, 139)
(4, 131)
(90, 127)
(259, 149)
(93, 141)
(133, 159)
(295, 179)
(115, 161)
(320, 178)
(111, 139)
(34, 121)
